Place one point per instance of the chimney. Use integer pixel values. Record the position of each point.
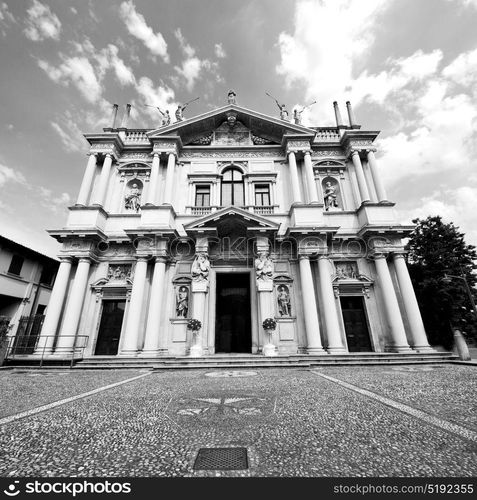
(339, 120)
(126, 116)
(114, 115)
(352, 120)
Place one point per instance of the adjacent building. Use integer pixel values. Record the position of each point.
(26, 280)
(232, 217)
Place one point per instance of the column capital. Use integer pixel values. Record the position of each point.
(399, 254)
(371, 151)
(93, 153)
(85, 259)
(307, 152)
(324, 256)
(156, 154)
(303, 256)
(290, 152)
(142, 258)
(354, 152)
(379, 255)
(160, 259)
(65, 258)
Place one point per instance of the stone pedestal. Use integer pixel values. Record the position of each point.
(269, 348)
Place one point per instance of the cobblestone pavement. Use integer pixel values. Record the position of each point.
(292, 422)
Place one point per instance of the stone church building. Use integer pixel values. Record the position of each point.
(232, 217)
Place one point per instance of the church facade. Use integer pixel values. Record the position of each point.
(230, 218)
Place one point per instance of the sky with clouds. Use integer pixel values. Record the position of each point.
(408, 66)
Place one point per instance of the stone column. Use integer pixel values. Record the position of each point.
(391, 305)
(152, 340)
(103, 180)
(131, 335)
(312, 325)
(88, 177)
(333, 330)
(294, 178)
(418, 333)
(310, 179)
(171, 164)
(380, 191)
(153, 181)
(55, 306)
(363, 188)
(67, 337)
(199, 294)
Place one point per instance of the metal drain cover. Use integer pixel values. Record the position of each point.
(221, 459)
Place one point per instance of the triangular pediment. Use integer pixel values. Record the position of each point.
(241, 216)
(231, 125)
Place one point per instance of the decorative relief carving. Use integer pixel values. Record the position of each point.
(119, 273)
(229, 154)
(298, 144)
(264, 267)
(329, 152)
(135, 156)
(203, 141)
(200, 267)
(261, 141)
(222, 164)
(346, 270)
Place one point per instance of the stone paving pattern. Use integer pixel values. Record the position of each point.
(25, 389)
(293, 423)
(441, 390)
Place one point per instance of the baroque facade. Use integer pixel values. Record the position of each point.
(232, 217)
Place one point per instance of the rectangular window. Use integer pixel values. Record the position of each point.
(262, 195)
(16, 265)
(202, 196)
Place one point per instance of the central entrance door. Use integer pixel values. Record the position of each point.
(110, 327)
(356, 326)
(232, 325)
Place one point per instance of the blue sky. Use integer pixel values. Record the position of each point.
(408, 66)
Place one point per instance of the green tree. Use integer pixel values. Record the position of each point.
(436, 249)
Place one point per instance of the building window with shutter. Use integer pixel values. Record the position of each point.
(262, 195)
(16, 265)
(202, 195)
(232, 188)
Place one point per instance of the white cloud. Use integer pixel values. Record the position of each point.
(54, 203)
(462, 69)
(328, 37)
(161, 96)
(123, 73)
(77, 71)
(70, 134)
(219, 51)
(137, 26)
(6, 18)
(42, 23)
(8, 174)
(192, 67)
(453, 205)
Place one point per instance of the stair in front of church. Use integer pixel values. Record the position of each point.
(242, 361)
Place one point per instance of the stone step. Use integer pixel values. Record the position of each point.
(243, 361)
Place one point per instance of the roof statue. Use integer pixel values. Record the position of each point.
(165, 116)
(231, 97)
(281, 107)
(181, 107)
(297, 114)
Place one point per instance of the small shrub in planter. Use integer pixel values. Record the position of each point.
(269, 324)
(194, 324)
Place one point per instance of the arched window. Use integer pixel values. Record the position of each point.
(232, 188)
